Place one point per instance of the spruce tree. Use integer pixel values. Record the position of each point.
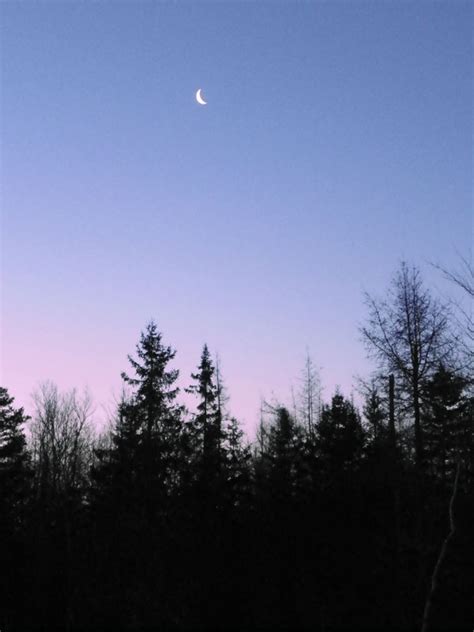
(15, 477)
(153, 414)
(374, 411)
(285, 442)
(154, 390)
(237, 464)
(340, 436)
(14, 459)
(206, 423)
(447, 427)
(137, 482)
(146, 440)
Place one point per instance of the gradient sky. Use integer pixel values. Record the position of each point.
(337, 140)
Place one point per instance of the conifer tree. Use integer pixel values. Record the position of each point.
(146, 438)
(237, 463)
(374, 411)
(284, 454)
(447, 428)
(118, 459)
(14, 459)
(207, 422)
(137, 481)
(340, 436)
(154, 390)
(15, 477)
(151, 413)
(221, 389)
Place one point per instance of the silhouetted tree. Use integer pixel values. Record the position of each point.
(237, 455)
(374, 410)
(61, 442)
(15, 469)
(207, 422)
(278, 474)
(15, 477)
(308, 403)
(408, 335)
(173, 522)
(222, 399)
(340, 437)
(158, 418)
(448, 430)
(137, 482)
(284, 446)
(463, 278)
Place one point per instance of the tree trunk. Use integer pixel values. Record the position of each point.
(442, 553)
(418, 435)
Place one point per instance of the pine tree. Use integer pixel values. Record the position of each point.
(340, 436)
(447, 427)
(154, 392)
(117, 470)
(152, 414)
(285, 443)
(374, 411)
(148, 426)
(15, 475)
(137, 483)
(207, 422)
(237, 463)
(14, 459)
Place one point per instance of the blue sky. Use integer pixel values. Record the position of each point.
(337, 140)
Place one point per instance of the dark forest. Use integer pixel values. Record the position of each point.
(336, 517)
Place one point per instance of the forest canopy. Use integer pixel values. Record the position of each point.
(335, 518)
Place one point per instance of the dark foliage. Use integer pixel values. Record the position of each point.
(174, 522)
(15, 477)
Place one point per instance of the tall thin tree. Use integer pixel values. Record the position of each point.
(408, 334)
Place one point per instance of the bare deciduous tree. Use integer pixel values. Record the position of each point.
(61, 437)
(308, 403)
(408, 334)
(463, 278)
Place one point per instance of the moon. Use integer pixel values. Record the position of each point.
(199, 98)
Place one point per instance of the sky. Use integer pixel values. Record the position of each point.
(337, 141)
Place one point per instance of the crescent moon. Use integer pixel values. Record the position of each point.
(199, 98)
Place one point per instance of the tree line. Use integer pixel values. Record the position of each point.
(334, 518)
